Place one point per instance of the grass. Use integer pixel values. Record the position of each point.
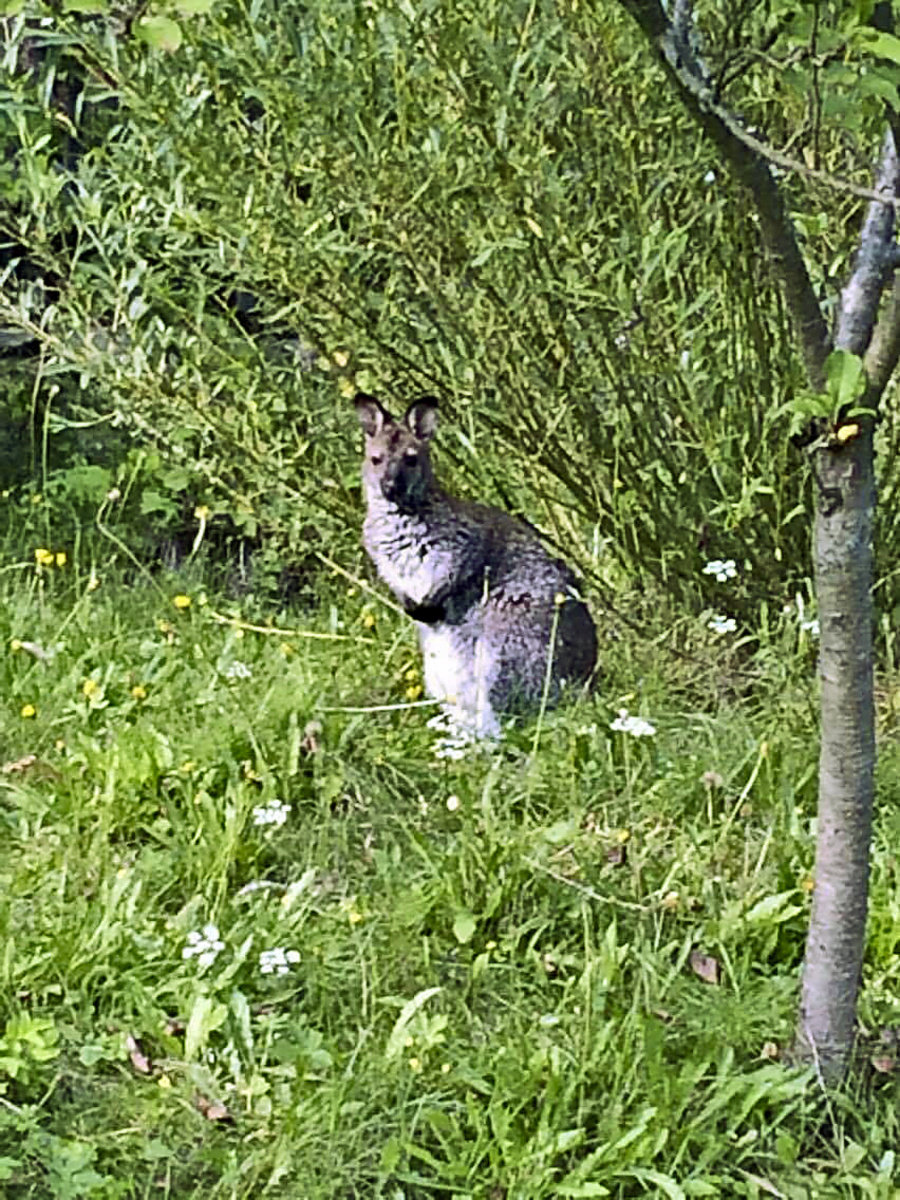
(492, 989)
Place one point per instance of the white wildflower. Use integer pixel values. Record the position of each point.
(719, 623)
(238, 670)
(278, 961)
(452, 803)
(811, 627)
(636, 726)
(273, 813)
(709, 177)
(723, 569)
(204, 945)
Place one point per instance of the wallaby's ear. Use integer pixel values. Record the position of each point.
(372, 416)
(422, 418)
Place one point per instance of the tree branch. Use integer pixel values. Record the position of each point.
(874, 261)
(748, 159)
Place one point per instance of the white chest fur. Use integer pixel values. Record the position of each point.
(412, 564)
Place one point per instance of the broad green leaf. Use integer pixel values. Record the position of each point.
(195, 7)
(207, 1015)
(464, 925)
(846, 378)
(775, 908)
(390, 1155)
(161, 33)
(665, 1184)
(884, 45)
(397, 1039)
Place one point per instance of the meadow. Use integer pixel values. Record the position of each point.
(265, 936)
(266, 931)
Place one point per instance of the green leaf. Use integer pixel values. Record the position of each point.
(8, 1166)
(84, 6)
(160, 33)
(207, 1015)
(195, 7)
(664, 1183)
(390, 1156)
(846, 378)
(397, 1039)
(775, 908)
(581, 1191)
(464, 925)
(883, 45)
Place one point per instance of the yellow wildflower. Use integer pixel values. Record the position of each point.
(90, 687)
(181, 601)
(368, 620)
(60, 558)
(43, 557)
(414, 691)
(28, 711)
(139, 692)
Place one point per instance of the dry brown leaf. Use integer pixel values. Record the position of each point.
(705, 967)
(30, 763)
(769, 1050)
(617, 856)
(211, 1109)
(309, 743)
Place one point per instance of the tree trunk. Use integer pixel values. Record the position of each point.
(844, 469)
(836, 935)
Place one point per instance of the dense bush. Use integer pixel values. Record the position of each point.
(207, 248)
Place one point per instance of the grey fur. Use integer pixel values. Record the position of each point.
(481, 588)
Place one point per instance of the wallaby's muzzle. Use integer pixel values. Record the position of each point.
(398, 488)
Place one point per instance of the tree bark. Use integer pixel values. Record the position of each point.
(845, 476)
(836, 935)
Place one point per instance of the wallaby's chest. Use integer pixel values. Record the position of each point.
(412, 559)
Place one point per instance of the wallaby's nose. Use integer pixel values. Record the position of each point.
(392, 483)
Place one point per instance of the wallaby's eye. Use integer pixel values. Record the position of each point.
(376, 459)
(411, 457)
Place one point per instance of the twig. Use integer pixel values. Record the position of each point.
(586, 891)
(237, 623)
(376, 708)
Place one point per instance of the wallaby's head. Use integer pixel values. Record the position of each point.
(397, 465)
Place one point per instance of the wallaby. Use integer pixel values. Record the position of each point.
(490, 603)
